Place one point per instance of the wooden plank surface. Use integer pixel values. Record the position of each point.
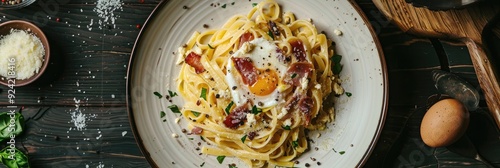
(89, 70)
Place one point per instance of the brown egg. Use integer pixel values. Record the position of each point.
(444, 123)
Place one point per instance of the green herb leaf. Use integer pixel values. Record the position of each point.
(348, 94)
(232, 166)
(254, 4)
(232, 3)
(6, 129)
(14, 158)
(203, 139)
(256, 110)
(286, 127)
(295, 144)
(220, 159)
(171, 93)
(341, 152)
(174, 108)
(294, 75)
(228, 108)
(196, 114)
(210, 46)
(337, 67)
(243, 138)
(223, 6)
(191, 139)
(158, 94)
(203, 93)
(202, 164)
(162, 114)
(270, 34)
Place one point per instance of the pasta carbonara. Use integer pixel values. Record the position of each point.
(253, 87)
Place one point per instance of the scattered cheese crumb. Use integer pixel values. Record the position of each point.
(177, 120)
(124, 133)
(337, 32)
(287, 122)
(317, 86)
(174, 135)
(338, 89)
(283, 113)
(250, 118)
(181, 51)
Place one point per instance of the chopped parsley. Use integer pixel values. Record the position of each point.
(203, 93)
(294, 75)
(287, 127)
(158, 94)
(191, 139)
(203, 139)
(174, 108)
(295, 144)
(254, 4)
(243, 138)
(270, 33)
(202, 164)
(341, 152)
(348, 94)
(171, 93)
(232, 166)
(196, 114)
(223, 6)
(228, 108)
(256, 110)
(337, 67)
(220, 159)
(210, 46)
(232, 3)
(162, 114)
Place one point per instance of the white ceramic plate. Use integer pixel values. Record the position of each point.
(359, 118)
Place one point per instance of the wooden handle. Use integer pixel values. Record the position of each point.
(488, 78)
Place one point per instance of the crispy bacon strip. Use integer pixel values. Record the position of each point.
(193, 60)
(247, 70)
(197, 130)
(237, 116)
(305, 106)
(297, 71)
(298, 50)
(245, 37)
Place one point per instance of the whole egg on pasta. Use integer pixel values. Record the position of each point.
(255, 73)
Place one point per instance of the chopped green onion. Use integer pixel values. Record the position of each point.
(228, 108)
(243, 138)
(270, 34)
(203, 93)
(287, 127)
(220, 159)
(254, 4)
(158, 94)
(174, 108)
(295, 144)
(162, 114)
(341, 152)
(210, 46)
(337, 67)
(348, 94)
(256, 110)
(196, 114)
(171, 93)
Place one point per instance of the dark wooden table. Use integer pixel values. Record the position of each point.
(88, 69)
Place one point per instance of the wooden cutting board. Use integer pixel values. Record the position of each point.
(464, 25)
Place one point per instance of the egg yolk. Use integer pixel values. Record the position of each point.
(267, 81)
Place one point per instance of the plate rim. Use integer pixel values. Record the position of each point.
(374, 36)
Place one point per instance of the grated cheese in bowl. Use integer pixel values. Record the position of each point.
(26, 48)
